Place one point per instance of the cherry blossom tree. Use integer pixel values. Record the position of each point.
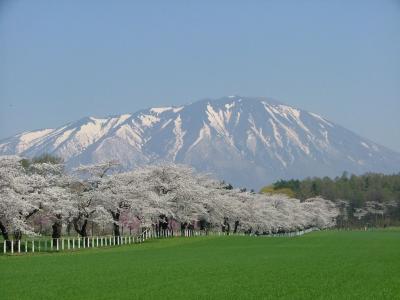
(155, 196)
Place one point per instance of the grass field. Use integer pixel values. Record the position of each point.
(320, 265)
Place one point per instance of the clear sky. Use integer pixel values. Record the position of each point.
(63, 60)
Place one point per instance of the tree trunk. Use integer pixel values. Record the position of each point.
(83, 229)
(226, 226)
(56, 227)
(116, 229)
(236, 227)
(4, 233)
(17, 235)
(115, 216)
(69, 228)
(80, 230)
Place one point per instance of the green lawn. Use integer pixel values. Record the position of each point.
(320, 265)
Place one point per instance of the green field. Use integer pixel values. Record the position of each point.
(320, 265)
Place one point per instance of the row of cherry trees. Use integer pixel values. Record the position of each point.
(155, 195)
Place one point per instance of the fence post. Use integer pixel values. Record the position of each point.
(51, 245)
(33, 246)
(5, 246)
(12, 247)
(19, 246)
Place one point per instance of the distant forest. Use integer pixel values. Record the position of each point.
(368, 200)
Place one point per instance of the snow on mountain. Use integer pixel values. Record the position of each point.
(246, 141)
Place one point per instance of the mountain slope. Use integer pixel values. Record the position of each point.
(246, 141)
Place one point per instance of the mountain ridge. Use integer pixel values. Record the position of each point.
(248, 141)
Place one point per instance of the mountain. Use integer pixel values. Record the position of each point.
(246, 141)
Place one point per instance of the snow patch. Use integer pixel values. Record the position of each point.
(290, 133)
(62, 138)
(98, 120)
(122, 119)
(217, 121)
(281, 160)
(277, 135)
(321, 119)
(204, 132)
(166, 124)
(294, 114)
(131, 135)
(325, 135)
(28, 139)
(179, 134)
(177, 109)
(237, 118)
(159, 110)
(251, 142)
(148, 120)
(365, 145)
(87, 134)
(258, 131)
(230, 105)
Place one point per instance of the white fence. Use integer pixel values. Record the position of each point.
(33, 245)
(290, 234)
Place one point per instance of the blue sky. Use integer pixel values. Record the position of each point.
(63, 60)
